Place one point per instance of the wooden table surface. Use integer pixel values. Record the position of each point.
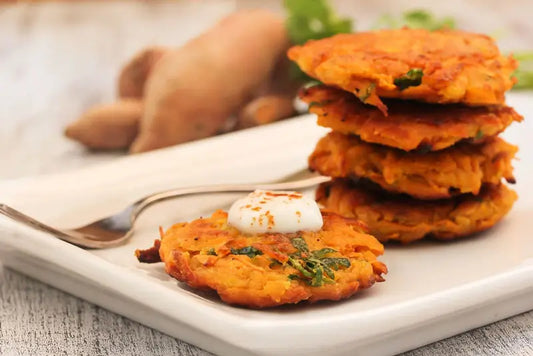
(58, 59)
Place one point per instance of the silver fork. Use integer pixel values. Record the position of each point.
(116, 229)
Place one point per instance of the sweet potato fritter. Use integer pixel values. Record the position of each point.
(410, 125)
(265, 270)
(434, 175)
(401, 218)
(442, 66)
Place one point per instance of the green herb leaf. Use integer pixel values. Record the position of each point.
(417, 18)
(300, 268)
(315, 268)
(329, 272)
(248, 251)
(322, 252)
(317, 280)
(367, 92)
(211, 251)
(336, 263)
(300, 244)
(524, 73)
(479, 135)
(412, 78)
(297, 74)
(312, 20)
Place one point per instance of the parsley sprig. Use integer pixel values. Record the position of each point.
(412, 78)
(313, 19)
(248, 251)
(524, 73)
(416, 18)
(314, 266)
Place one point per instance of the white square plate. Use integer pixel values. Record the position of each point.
(433, 290)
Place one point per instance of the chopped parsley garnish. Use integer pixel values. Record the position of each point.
(412, 78)
(248, 251)
(524, 73)
(211, 251)
(365, 94)
(417, 18)
(314, 266)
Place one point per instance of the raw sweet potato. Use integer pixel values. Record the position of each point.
(111, 126)
(133, 76)
(275, 100)
(264, 110)
(192, 91)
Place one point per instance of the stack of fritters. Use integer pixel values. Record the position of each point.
(415, 117)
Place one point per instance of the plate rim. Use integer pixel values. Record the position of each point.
(396, 317)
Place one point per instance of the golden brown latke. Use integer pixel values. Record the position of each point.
(456, 66)
(401, 218)
(410, 125)
(265, 270)
(434, 175)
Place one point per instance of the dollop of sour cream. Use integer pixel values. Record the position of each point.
(275, 211)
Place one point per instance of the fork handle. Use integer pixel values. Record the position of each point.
(31, 222)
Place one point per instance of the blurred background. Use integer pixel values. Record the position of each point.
(60, 58)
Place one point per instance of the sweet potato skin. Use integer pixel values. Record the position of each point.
(193, 90)
(110, 126)
(264, 110)
(133, 76)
